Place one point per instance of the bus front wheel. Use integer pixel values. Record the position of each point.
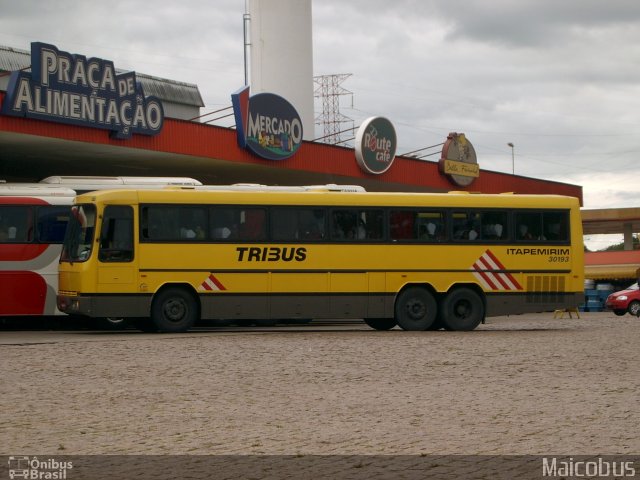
(415, 309)
(174, 310)
(462, 309)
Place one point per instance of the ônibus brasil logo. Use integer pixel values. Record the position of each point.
(376, 145)
(266, 124)
(24, 466)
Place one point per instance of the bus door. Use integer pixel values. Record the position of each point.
(116, 266)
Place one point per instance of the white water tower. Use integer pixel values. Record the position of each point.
(281, 58)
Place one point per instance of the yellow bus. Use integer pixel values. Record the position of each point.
(421, 261)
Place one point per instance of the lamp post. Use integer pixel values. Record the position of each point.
(513, 159)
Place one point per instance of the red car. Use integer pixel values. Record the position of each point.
(627, 300)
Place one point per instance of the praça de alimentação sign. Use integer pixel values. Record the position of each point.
(72, 89)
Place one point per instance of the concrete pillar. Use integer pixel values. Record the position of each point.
(628, 236)
(282, 54)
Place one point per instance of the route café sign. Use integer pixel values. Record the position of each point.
(458, 162)
(375, 145)
(76, 90)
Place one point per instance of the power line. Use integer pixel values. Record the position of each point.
(329, 90)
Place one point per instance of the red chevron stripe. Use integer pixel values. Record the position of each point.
(486, 267)
(216, 282)
(495, 260)
(496, 276)
(511, 278)
(485, 276)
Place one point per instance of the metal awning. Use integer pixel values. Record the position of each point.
(610, 272)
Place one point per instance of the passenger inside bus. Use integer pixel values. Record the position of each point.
(492, 231)
(428, 231)
(523, 233)
(8, 233)
(223, 226)
(187, 233)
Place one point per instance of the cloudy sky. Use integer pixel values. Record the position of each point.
(558, 79)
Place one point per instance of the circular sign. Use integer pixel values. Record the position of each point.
(459, 162)
(376, 144)
(274, 129)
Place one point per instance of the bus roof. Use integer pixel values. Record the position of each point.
(34, 189)
(86, 183)
(254, 187)
(324, 197)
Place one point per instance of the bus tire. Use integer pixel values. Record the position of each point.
(415, 309)
(462, 309)
(381, 323)
(174, 310)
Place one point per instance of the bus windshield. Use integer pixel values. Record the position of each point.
(79, 236)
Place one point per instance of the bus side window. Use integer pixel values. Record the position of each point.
(373, 222)
(116, 235)
(16, 224)
(156, 222)
(253, 224)
(528, 226)
(493, 225)
(52, 223)
(223, 223)
(466, 226)
(430, 226)
(401, 225)
(555, 226)
(311, 224)
(284, 224)
(192, 223)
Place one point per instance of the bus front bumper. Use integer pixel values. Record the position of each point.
(104, 306)
(74, 304)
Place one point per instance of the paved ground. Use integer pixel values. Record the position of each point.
(526, 384)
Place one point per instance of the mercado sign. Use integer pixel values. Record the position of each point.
(72, 89)
(266, 124)
(458, 161)
(375, 145)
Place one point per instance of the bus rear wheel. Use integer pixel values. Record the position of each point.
(462, 309)
(381, 323)
(415, 309)
(174, 310)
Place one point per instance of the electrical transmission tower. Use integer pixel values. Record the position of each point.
(329, 89)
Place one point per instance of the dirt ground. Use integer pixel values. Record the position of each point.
(527, 384)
